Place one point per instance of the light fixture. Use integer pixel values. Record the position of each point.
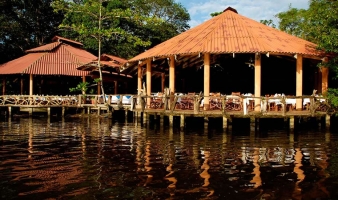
(139, 62)
(267, 54)
(153, 59)
(176, 57)
(233, 55)
(295, 56)
(199, 54)
(258, 56)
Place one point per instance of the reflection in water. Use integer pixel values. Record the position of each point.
(62, 159)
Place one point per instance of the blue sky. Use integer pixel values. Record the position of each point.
(200, 10)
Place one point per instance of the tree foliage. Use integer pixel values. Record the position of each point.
(25, 24)
(128, 27)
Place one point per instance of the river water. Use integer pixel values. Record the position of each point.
(97, 158)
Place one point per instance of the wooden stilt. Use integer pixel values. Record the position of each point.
(327, 121)
(171, 121)
(206, 124)
(48, 111)
(225, 123)
(9, 112)
(182, 119)
(63, 111)
(126, 115)
(292, 123)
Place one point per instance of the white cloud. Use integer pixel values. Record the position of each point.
(255, 9)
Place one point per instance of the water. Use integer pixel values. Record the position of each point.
(95, 158)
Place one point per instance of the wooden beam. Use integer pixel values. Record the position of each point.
(206, 80)
(299, 82)
(258, 72)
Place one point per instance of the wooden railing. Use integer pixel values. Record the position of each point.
(229, 103)
(195, 103)
(64, 101)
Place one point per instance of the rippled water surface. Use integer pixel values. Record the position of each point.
(95, 158)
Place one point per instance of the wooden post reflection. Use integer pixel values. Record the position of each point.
(257, 180)
(30, 137)
(172, 179)
(297, 193)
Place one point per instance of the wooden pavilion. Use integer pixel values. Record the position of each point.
(49, 62)
(228, 35)
(110, 66)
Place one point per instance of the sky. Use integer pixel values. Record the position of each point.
(200, 10)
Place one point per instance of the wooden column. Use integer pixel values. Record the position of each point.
(139, 78)
(206, 80)
(99, 88)
(115, 87)
(325, 77)
(148, 77)
(163, 82)
(30, 84)
(172, 78)
(258, 72)
(83, 81)
(3, 86)
(21, 86)
(299, 82)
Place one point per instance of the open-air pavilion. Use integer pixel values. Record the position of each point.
(251, 52)
(52, 65)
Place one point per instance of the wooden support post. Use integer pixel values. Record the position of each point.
(299, 82)
(126, 115)
(258, 71)
(171, 121)
(225, 123)
(292, 137)
(30, 112)
(9, 111)
(99, 111)
(139, 78)
(30, 84)
(161, 120)
(206, 124)
(206, 80)
(292, 123)
(172, 80)
(63, 112)
(145, 117)
(148, 77)
(48, 111)
(88, 110)
(3, 86)
(182, 122)
(99, 88)
(21, 86)
(115, 87)
(162, 82)
(252, 124)
(325, 77)
(327, 121)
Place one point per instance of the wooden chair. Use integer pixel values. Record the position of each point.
(215, 101)
(157, 101)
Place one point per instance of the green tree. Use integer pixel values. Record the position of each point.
(293, 21)
(268, 23)
(96, 20)
(25, 24)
